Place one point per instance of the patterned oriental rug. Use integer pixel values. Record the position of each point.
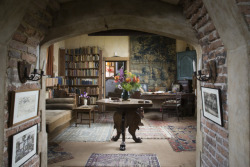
(157, 121)
(105, 118)
(183, 138)
(56, 154)
(146, 132)
(98, 132)
(123, 160)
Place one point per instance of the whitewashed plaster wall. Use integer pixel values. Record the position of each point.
(108, 44)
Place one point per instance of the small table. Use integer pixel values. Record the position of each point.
(85, 109)
(126, 115)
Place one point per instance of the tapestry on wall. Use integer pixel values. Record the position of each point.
(153, 58)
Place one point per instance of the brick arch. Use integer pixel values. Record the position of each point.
(225, 40)
(31, 31)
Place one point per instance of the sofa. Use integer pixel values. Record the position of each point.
(59, 114)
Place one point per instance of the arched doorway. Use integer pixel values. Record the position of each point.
(148, 25)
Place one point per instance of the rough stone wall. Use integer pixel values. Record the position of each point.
(23, 46)
(244, 6)
(215, 137)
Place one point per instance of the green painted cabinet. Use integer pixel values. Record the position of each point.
(185, 64)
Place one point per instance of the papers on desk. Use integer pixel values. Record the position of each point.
(159, 92)
(147, 93)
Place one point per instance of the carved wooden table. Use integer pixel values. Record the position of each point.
(128, 114)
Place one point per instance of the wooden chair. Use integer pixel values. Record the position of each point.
(174, 104)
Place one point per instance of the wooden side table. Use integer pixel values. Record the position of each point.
(85, 109)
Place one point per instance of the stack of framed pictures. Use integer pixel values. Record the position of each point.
(24, 106)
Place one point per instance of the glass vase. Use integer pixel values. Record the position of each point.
(125, 95)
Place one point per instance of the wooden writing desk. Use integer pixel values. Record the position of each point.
(188, 101)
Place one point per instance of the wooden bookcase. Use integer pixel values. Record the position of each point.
(82, 68)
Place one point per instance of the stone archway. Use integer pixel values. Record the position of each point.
(169, 21)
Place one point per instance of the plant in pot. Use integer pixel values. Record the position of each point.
(128, 82)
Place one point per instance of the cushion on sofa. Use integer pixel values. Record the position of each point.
(60, 106)
(60, 100)
(56, 118)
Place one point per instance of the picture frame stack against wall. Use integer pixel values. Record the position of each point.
(211, 104)
(24, 106)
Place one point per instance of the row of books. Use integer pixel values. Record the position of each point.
(91, 100)
(51, 81)
(61, 80)
(79, 81)
(54, 81)
(82, 58)
(49, 94)
(89, 90)
(87, 64)
(86, 72)
(83, 50)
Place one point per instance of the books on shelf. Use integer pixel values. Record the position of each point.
(83, 50)
(51, 81)
(87, 64)
(82, 67)
(92, 91)
(81, 73)
(49, 94)
(69, 57)
(92, 100)
(80, 81)
(54, 81)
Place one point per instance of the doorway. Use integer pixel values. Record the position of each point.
(112, 66)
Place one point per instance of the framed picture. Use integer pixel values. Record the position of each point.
(144, 87)
(24, 106)
(24, 146)
(176, 88)
(211, 104)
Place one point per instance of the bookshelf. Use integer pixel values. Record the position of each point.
(81, 68)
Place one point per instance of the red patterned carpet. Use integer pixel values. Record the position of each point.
(181, 135)
(184, 138)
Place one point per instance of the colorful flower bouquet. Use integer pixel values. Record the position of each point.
(127, 80)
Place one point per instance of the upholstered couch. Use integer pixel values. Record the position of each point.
(59, 114)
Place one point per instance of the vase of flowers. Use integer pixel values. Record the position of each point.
(125, 95)
(128, 82)
(85, 98)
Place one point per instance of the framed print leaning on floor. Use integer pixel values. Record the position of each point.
(24, 105)
(24, 146)
(211, 104)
